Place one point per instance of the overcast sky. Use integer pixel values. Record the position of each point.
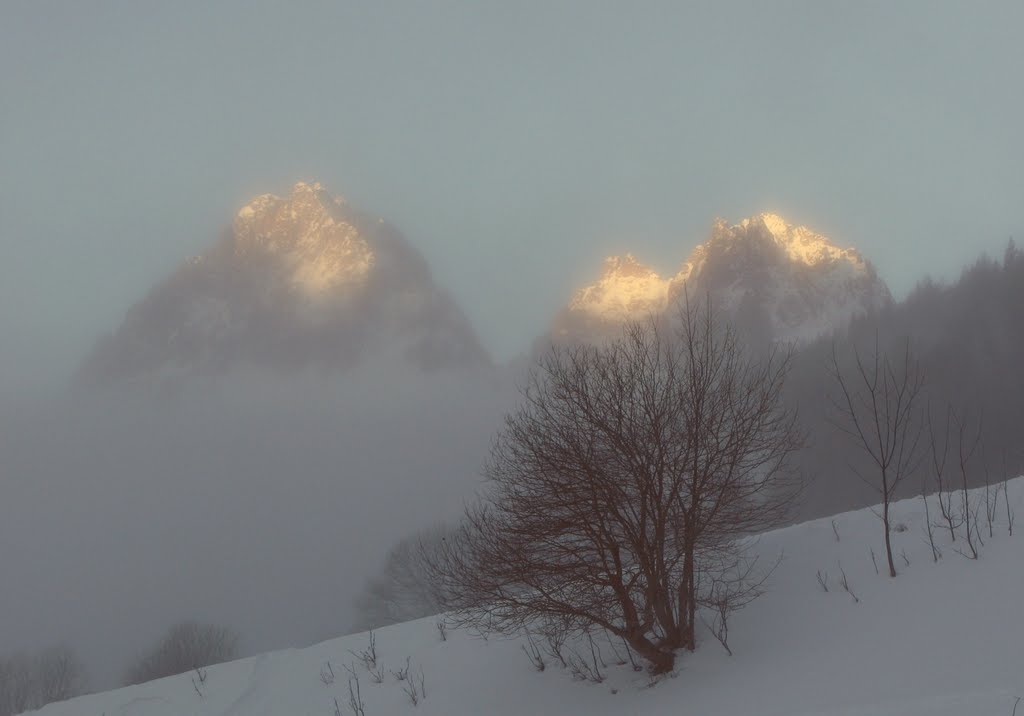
(514, 143)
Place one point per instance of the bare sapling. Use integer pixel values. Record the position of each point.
(401, 674)
(823, 580)
(719, 626)
(936, 552)
(1006, 497)
(416, 688)
(582, 669)
(355, 696)
(846, 584)
(367, 656)
(629, 655)
(991, 501)
(877, 410)
(619, 661)
(966, 447)
(939, 456)
(554, 641)
(532, 652)
(595, 651)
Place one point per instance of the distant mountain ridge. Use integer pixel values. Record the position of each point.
(302, 280)
(775, 280)
(306, 280)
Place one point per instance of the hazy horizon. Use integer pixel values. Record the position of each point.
(515, 146)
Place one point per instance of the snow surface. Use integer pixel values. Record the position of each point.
(942, 639)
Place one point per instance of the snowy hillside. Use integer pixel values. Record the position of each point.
(942, 639)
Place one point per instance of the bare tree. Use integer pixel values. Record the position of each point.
(30, 681)
(622, 487)
(402, 591)
(938, 465)
(60, 675)
(17, 687)
(966, 448)
(1006, 497)
(936, 553)
(991, 500)
(877, 410)
(185, 647)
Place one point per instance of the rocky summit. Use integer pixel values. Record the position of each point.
(297, 281)
(773, 279)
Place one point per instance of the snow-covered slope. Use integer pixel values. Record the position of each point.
(942, 639)
(774, 279)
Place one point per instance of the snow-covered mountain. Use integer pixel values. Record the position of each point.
(944, 638)
(299, 280)
(775, 280)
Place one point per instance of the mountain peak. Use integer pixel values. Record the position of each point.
(800, 244)
(299, 280)
(626, 266)
(309, 233)
(627, 288)
(774, 278)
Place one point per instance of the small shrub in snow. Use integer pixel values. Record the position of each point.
(355, 696)
(533, 653)
(401, 674)
(416, 688)
(845, 583)
(199, 679)
(368, 656)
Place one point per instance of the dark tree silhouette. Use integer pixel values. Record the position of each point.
(30, 681)
(402, 590)
(186, 646)
(622, 487)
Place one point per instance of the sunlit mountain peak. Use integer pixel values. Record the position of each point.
(775, 279)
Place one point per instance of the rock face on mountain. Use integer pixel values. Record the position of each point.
(627, 290)
(774, 280)
(297, 281)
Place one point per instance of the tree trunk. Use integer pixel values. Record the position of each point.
(687, 604)
(888, 542)
(661, 659)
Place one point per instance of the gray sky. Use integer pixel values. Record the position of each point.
(514, 143)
